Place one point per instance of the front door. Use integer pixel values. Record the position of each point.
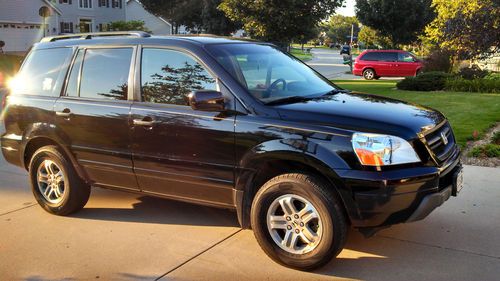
(407, 64)
(177, 151)
(85, 25)
(93, 115)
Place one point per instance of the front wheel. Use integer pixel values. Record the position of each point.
(55, 184)
(298, 221)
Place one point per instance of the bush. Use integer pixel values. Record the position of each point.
(488, 150)
(473, 72)
(438, 60)
(493, 76)
(476, 85)
(496, 138)
(427, 81)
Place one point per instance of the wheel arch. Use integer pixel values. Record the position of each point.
(256, 170)
(40, 136)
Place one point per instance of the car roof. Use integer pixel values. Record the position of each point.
(384, 51)
(88, 40)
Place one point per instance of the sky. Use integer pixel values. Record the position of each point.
(348, 10)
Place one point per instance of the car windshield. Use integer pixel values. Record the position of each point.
(269, 74)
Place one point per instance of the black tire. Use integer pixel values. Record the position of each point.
(76, 192)
(418, 72)
(324, 200)
(369, 74)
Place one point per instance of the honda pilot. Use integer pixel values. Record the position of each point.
(225, 123)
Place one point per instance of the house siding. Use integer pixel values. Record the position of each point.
(135, 11)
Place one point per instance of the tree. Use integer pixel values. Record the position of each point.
(196, 15)
(338, 28)
(371, 38)
(401, 21)
(468, 28)
(127, 25)
(279, 21)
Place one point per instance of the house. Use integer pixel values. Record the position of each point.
(80, 16)
(157, 25)
(21, 25)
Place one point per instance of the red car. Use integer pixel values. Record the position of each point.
(373, 64)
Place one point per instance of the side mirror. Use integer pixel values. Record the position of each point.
(206, 100)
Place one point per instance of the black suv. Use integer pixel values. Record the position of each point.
(226, 123)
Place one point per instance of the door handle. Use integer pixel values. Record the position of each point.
(65, 113)
(145, 122)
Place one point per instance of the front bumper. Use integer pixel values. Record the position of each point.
(379, 199)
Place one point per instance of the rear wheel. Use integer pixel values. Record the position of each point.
(369, 74)
(55, 184)
(298, 221)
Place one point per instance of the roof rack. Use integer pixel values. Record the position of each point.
(91, 35)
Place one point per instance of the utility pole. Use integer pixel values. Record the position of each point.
(350, 47)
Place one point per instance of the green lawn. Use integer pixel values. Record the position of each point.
(300, 54)
(467, 112)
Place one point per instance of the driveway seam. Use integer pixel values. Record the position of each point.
(439, 247)
(198, 254)
(25, 207)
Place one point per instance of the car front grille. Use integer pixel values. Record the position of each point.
(441, 142)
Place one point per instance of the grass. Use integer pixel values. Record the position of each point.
(9, 65)
(303, 56)
(467, 112)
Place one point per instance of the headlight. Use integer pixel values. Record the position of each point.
(382, 150)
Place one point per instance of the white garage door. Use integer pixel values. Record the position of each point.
(19, 37)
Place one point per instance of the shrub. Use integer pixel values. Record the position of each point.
(473, 72)
(438, 60)
(493, 76)
(476, 85)
(496, 138)
(427, 81)
(488, 150)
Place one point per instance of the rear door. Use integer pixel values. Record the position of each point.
(388, 64)
(93, 115)
(180, 152)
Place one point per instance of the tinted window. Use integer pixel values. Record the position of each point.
(105, 73)
(72, 87)
(42, 72)
(169, 76)
(372, 56)
(388, 56)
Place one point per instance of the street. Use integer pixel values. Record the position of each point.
(129, 236)
(329, 63)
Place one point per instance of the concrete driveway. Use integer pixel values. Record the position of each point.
(129, 236)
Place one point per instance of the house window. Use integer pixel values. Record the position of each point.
(103, 3)
(116, 3)
(85, 4)
(66, 27)
(65, 2)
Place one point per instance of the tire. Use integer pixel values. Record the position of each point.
(418, 72)
(330, 226)
(53, 175)
(369, 74)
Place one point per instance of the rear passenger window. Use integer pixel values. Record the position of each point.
(105, 73)
(371, 57)
(42, 73)
(169, 76)
(388, 56)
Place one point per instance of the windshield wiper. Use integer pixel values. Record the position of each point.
(335, 91)
(291, 99)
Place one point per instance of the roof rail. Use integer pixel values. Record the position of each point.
(95, 34)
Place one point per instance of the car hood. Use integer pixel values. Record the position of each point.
(363, 113)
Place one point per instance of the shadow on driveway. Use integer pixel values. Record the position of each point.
(163, 211)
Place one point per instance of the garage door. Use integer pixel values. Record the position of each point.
(19, 37)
